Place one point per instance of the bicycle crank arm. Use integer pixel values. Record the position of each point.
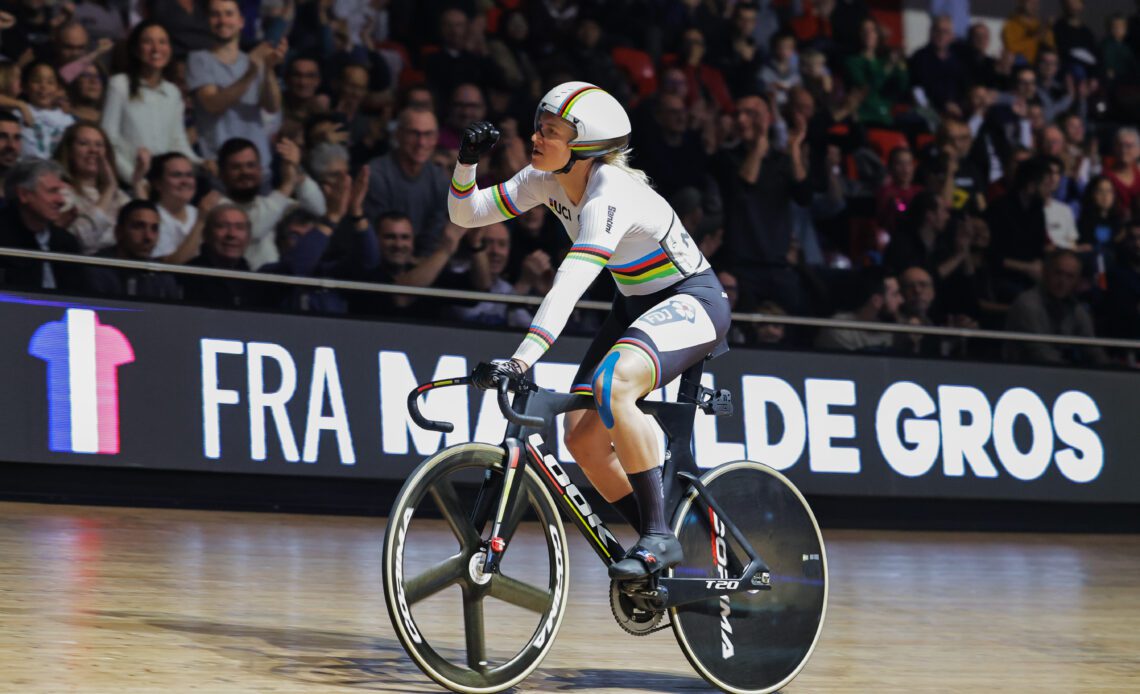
(679, 591)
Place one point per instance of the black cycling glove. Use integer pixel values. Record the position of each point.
(478, 139)
(487, 375)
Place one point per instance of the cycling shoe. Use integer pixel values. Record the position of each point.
(651, 554)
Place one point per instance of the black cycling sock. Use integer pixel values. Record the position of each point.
(627, 507)
(650, 501)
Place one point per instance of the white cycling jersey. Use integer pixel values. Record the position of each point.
(620, 224)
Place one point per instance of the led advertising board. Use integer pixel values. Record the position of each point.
(177, 387)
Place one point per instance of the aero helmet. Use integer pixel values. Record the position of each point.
(600, 121)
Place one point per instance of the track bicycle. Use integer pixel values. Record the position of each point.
(746, 605)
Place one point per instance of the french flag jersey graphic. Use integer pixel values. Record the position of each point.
(83, 358)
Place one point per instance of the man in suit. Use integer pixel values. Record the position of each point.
(33, 221)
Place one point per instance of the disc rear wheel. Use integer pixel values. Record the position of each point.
(751, 642)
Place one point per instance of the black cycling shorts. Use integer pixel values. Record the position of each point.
(676, 327)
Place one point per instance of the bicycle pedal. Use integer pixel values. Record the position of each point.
(652, 596)
(715, 402)
(637, 585)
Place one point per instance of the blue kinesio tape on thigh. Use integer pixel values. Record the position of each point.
(606, 371)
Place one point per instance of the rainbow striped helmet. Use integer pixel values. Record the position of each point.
(601, 123)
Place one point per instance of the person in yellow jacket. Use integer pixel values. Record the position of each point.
(1024, 32)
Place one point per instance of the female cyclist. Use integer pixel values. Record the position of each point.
(671, 310)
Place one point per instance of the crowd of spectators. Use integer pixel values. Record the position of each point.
(982, 181)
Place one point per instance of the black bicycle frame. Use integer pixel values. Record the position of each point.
(532, 411)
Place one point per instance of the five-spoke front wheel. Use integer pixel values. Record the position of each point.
(434, 584)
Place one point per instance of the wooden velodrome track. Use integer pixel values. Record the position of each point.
(127, 600)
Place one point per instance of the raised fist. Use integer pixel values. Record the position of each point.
(478, 139)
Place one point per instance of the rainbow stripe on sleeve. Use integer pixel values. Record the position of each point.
(506, 206)
(645, 269)
(590, 253)
(541, 337)
(462, 190)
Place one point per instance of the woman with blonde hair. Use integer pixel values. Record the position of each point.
(671, 310)
(92, 196)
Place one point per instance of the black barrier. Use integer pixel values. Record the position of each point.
(171, 387)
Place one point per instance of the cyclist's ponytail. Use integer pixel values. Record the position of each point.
(619, 159)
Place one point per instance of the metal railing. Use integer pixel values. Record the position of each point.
(467, 295)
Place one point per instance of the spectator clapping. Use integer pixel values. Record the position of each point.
(799, 143)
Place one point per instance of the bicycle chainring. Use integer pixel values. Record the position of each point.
(631, 617)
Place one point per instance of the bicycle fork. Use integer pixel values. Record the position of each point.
(512, 482)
